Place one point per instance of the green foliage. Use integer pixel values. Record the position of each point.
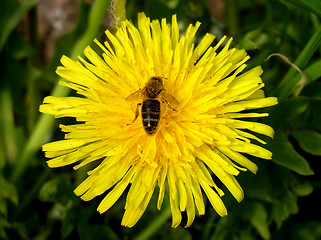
(313, 6)
(309, 141)
(281, 200)
(13, 12)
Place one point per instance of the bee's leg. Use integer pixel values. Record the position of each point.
(169, 105)
(136, 114)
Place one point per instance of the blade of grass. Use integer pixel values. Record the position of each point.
(287, 84)
(7, 124)
(313, 6)
(312, 72)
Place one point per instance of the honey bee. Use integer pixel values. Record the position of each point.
(151, 97)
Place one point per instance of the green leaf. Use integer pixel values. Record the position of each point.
(303, 189)
(309, 141)
(257, 186)
(222, 231)
(286, 205)
(295, 113)
(252, 34)
(285, 154)
(286, 111)
(3, 209)
(55, 189)
(313, 6)
(68, 223)
(309, 119)
(247, 44)
(89, 230)
(259, 220)
(253, 39)
(290, 203)
(280, 180)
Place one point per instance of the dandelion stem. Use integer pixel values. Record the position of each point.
(155, 225)
(44, 123)
(118, 13)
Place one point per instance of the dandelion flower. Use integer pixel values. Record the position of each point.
(202, 136)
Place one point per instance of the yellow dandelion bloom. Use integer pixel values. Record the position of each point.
(197, 132)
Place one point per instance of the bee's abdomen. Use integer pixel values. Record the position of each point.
(151, 111)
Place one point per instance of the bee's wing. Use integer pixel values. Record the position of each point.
(135, 96)
(170, 100)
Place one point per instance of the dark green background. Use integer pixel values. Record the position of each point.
(281, 200)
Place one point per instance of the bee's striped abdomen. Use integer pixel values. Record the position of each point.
(151, 111)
